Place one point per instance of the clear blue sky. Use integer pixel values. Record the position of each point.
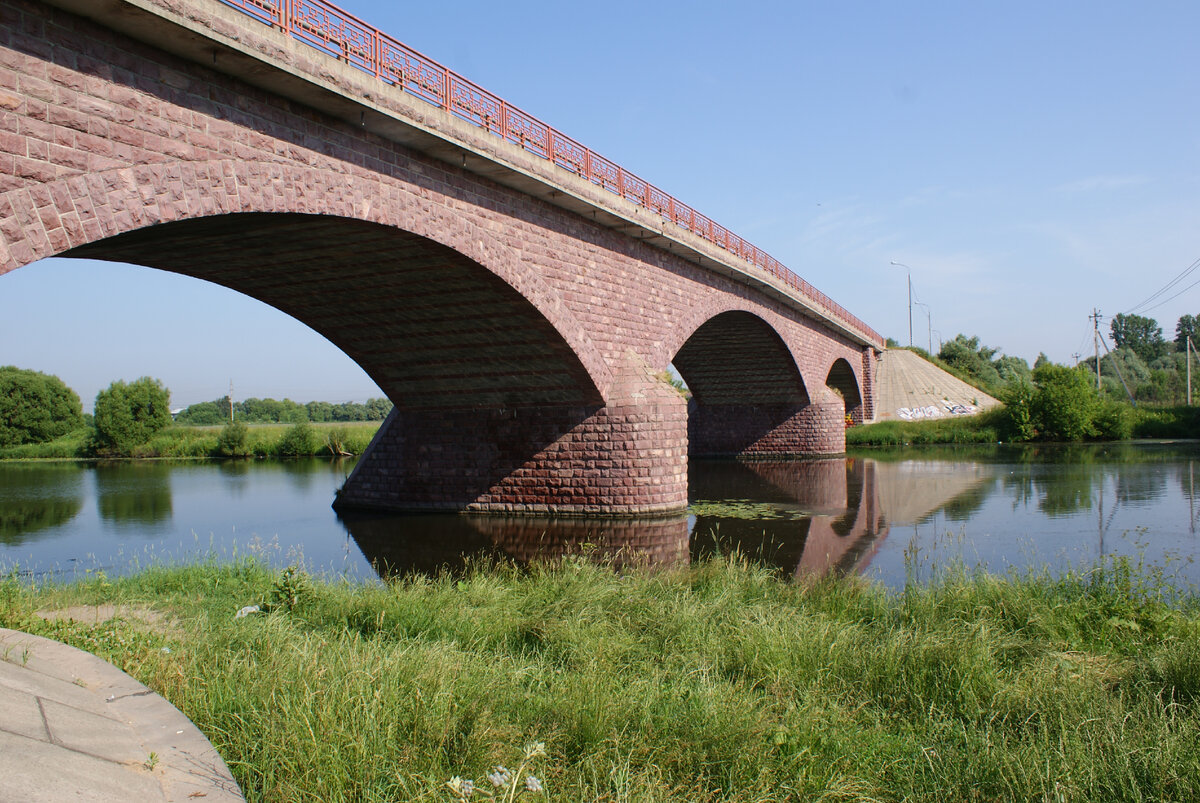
(1028, 160)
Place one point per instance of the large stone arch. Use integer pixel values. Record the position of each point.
(584, 446)
(101, 214)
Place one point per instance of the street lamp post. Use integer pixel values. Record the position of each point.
(910, 301)
(928, 322)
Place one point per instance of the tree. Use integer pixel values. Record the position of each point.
(966, 355)
(1143, 335)
(35, 407)
(1013, 369)
(1065, 405)
(127, 415)
(1185, 328)
(205, 414)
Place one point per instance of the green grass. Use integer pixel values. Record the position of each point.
(980, 428)
(713, 682)
(263, 440)
(1148, 422)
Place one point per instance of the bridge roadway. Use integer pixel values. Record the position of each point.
(517, 296)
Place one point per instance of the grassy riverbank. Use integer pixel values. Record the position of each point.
(990, 427)
(262, 440)
(714, 682)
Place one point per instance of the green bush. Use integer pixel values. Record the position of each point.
(128, 415)
(1016, 417)
(35, 407)
(1065, 404)
(232, 440)
(299, 441)
(1114, 421)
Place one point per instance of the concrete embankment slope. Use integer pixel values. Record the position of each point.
(909, 387)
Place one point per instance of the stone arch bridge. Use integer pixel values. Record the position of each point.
(516, 296)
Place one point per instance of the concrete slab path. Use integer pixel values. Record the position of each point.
(74, 727)
(910, 388)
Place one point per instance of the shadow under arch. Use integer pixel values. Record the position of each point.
(431, 327)
(748, 396)
(843, 381)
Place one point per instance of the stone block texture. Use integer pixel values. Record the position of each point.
(523, 345)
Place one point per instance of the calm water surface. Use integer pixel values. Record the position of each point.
(888, 516)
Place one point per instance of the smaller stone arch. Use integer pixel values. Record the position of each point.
(748, 395)
(737, 358)
(843, 381)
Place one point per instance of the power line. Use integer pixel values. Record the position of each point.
(1172, 298)
(1166, 288)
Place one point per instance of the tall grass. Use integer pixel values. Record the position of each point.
(979, 428)
(263, 440)
(714, 682)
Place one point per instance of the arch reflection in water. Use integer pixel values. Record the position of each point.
(806, 518)
(399, 544)
(809, 517)
(37, 497)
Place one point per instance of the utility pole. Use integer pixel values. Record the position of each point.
(1076, 355)
(1188, 353)
(1095, 318)
(231, 401)
(908, 270)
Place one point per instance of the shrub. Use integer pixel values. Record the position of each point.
(300, 440)
(35, 407)
(127, 415)
(1016, 419)
(232, 440)
(1114, 421)
(1065, 404)
(335, 441)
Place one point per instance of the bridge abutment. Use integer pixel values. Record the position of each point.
(626, 457)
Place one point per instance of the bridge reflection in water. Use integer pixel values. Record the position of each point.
(803, 518)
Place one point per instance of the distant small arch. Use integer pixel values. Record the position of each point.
(843, 381)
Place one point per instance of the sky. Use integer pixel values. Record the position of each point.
(1028, 161)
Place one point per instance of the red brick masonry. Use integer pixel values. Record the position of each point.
(524, 345)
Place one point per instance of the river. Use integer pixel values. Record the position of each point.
(891, 516)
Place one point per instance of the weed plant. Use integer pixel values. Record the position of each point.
(713, 682)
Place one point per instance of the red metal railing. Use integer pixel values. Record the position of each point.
(327, 28)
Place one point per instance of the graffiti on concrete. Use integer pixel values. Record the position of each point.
(935, 411)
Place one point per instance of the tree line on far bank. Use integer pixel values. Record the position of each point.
(1142, 362)
(1051, 402)
(38, 408)
(274, 411)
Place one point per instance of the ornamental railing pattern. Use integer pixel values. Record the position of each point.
(343, 36)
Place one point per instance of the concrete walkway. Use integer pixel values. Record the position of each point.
(74, 727)
(909, 388)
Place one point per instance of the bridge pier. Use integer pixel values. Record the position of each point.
(626, 457)
(768, 430)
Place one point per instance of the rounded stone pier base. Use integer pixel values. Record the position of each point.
(626, 457)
